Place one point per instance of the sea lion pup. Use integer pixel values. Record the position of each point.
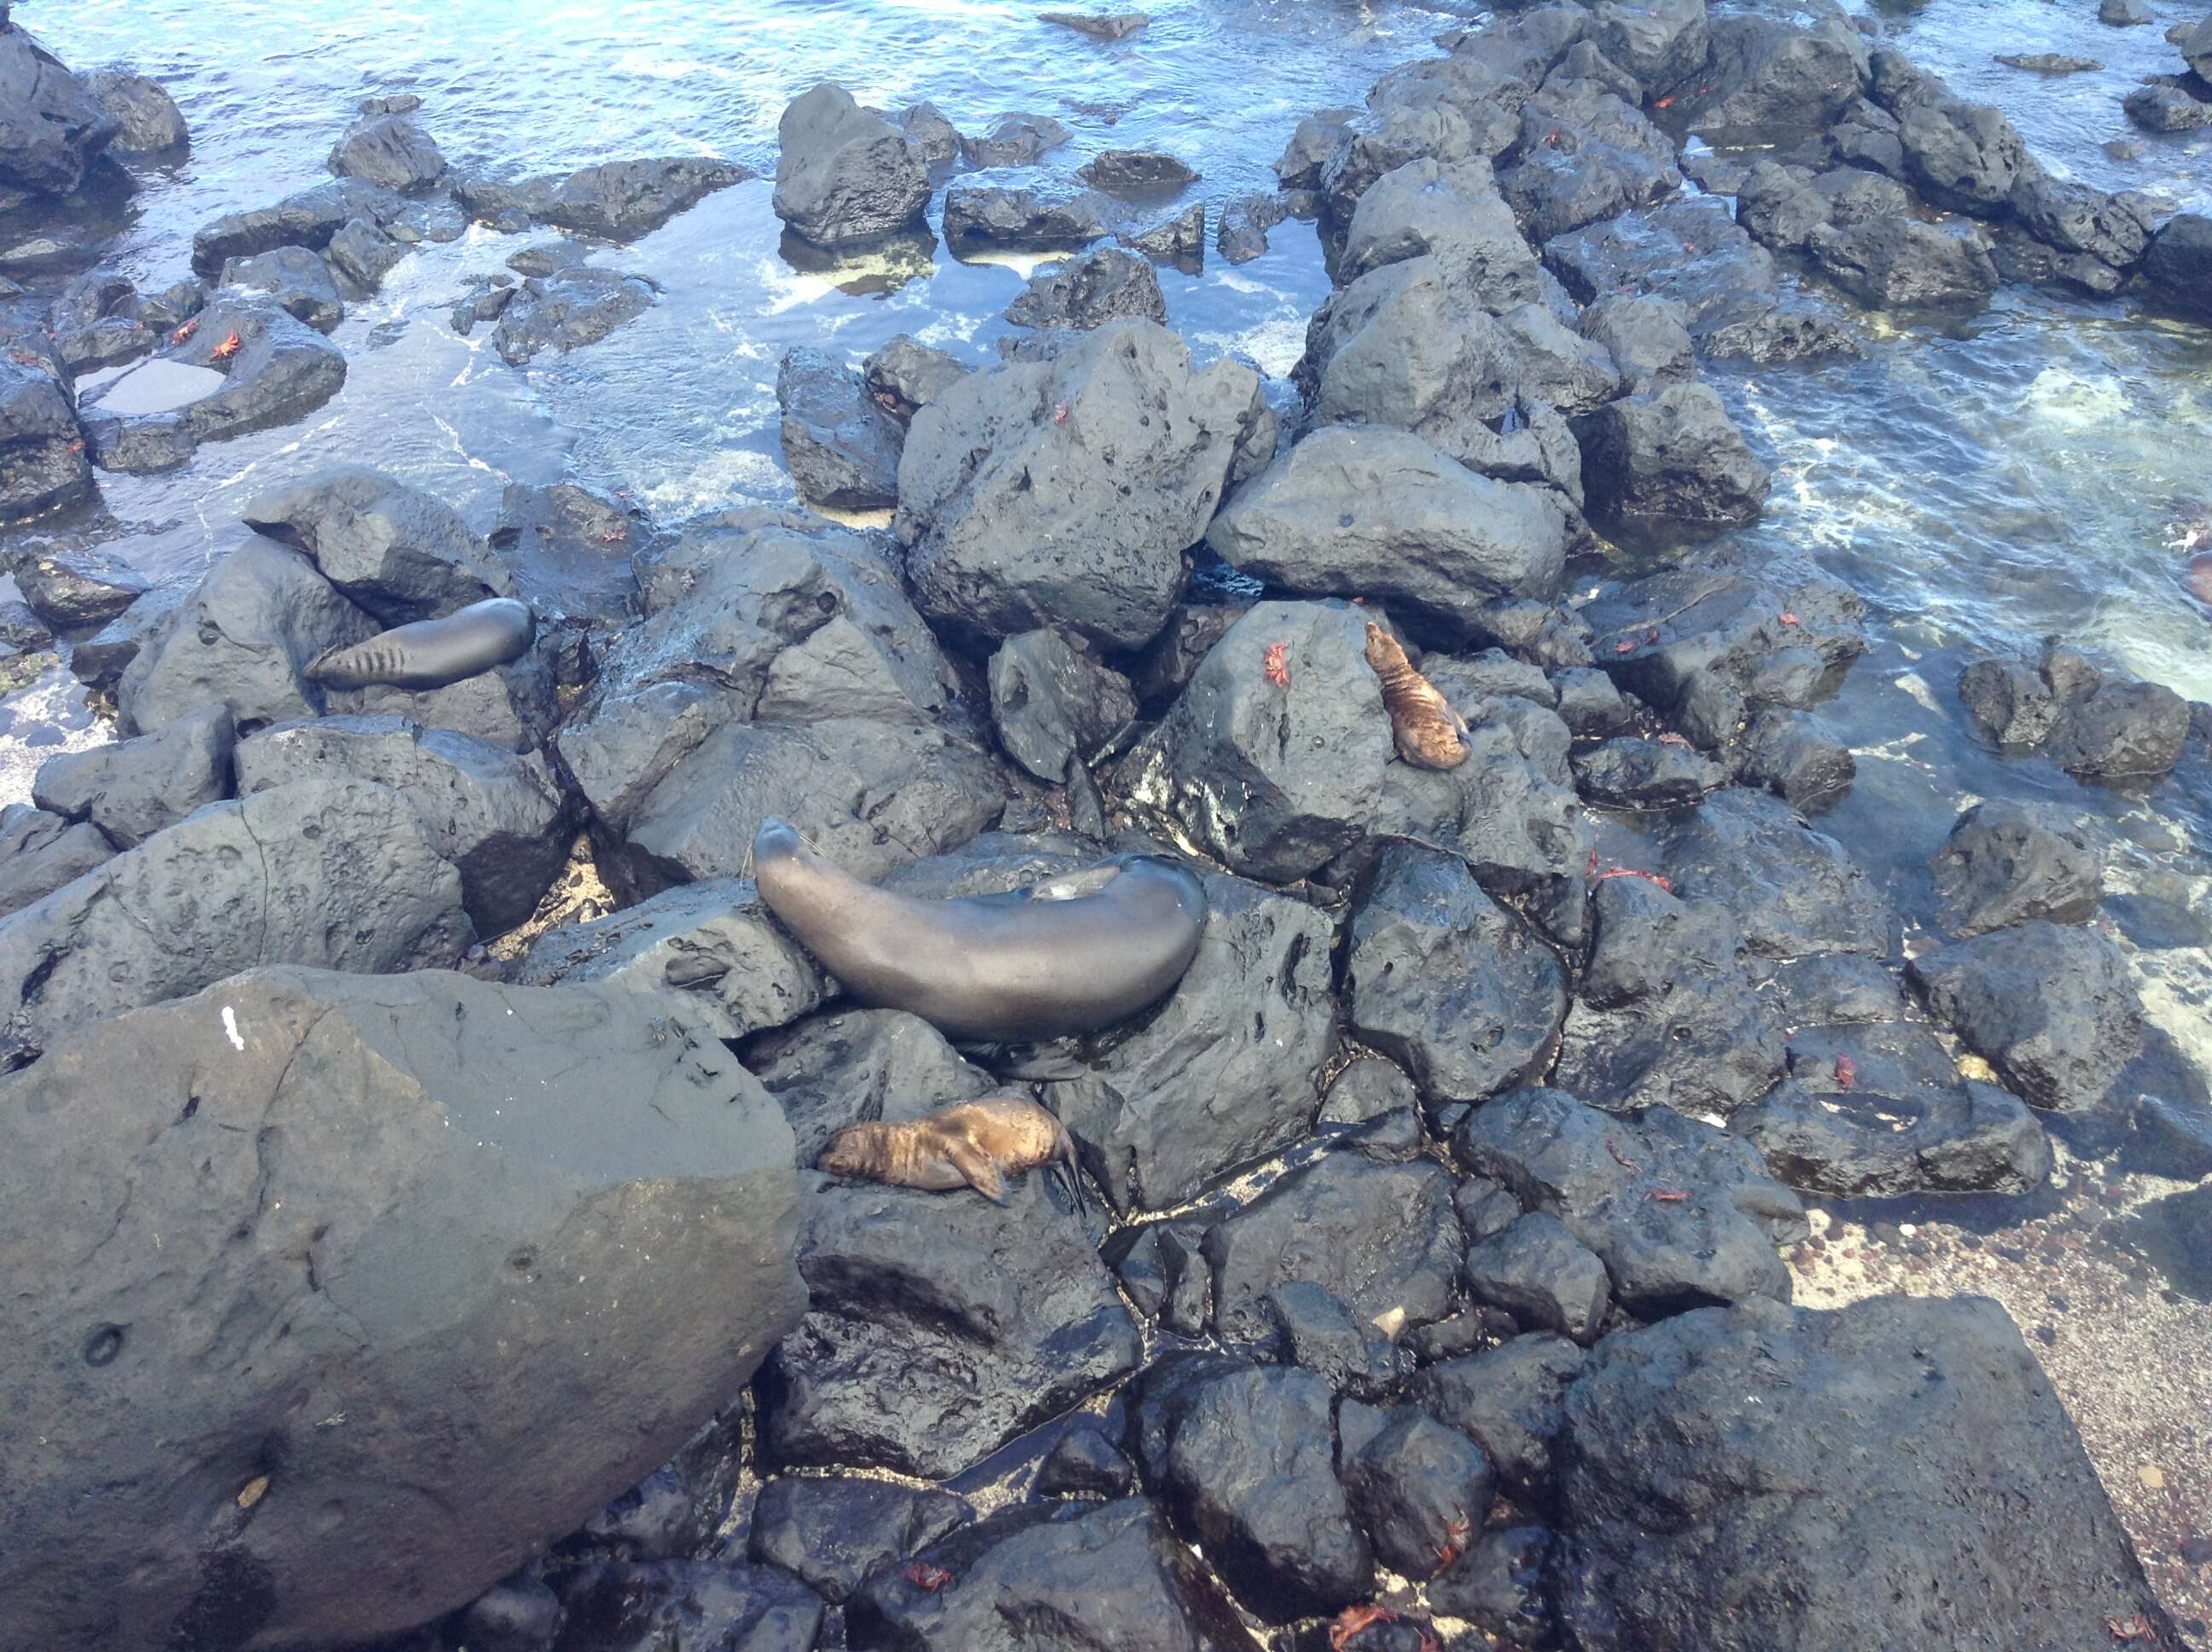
(970, 1143)
(1074, 954)
(1429, 733)
(432, 654)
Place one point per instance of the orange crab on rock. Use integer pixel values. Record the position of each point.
(229, 348)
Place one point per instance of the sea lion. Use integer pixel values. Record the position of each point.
(1072, 954)
(431, 653)
(1429, 733)
(970, 1143)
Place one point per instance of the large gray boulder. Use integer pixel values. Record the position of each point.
(390, 547)
(334, 874)
(132, 789)
(1357, 510)
(1718, 1468)
(269, 1306)
(845, 174)
(51, 126)
(47, 466)
(1067, 491)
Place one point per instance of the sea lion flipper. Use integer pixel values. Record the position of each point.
(976, 1166)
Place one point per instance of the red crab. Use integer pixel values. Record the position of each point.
(1625, 646)
(76, 448)
(927, 1578)
(1352, 1620)
(1791, 619)
(1672, 738)
(1458, 1532)
(185, 332)
(229, 348)
(2136, 1628)
(1060, 414)
(1847, 1072)
(1272, 663)
(1632, 872)
(1670, 1196)
(1620, 1157)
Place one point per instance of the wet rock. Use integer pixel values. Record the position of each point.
(1659, 44)
(1689, 250)
(99, 661)
(1135, 172)
(640, 1607)
(2089, 720)
(242, 638)
(2176, 269)
(45, 467)
(134, 789)
(1415, 1488)
(1099, 26)
(843, 449)
(1796, 755)
(1666, 1012)
(2162, 108)
(677, 1511)
(1453, 213)
(1035, 219)
(615, 201)
(298, 280)
(2011, 862)
(1970, 1138)
(565, 311)
(330, 873)
(1377, 1237)
(941, 1326)
(989, 552)
(1793, 891)
(567, 550)
(500, 818)
(389, 547)
(364, 1186)
(1773, 79)
(1964, 156)
(1542, 1275)
(1509, 1400)
(1897, 262)
(1559, 366)
(1585, 156)
(1501, 1585)
(2122, 14)
(1089, 291)
(279, 371)
(519, 1614)
(1661, 1255)
(1710, 648)
(71, 589)
(96, 323)
(146, 118)
(1274, 783)
(1085, 1463)
(1180, 241)
(1039, 1578)
(308, 219)
(1245, 221)
(1052, 701)
(905, 376)
(1447, 982)
(1250, 1469)
(512, 707)
(389, 150)
(1629, 773)
(850, 1067)
(832, 1533)
(54, 127)
(40, 852)
(1310, 146)
(2052, 1007)
(1491, 674)
(1227, 1070)
(1017, 139)
(1932, 1408)
(1354, 510)
(1320, 1335)
(1671, 461)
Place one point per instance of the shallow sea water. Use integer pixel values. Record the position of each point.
(1984, 482)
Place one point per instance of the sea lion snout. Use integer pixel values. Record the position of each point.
(775, 839)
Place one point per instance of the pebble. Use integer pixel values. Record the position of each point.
(2152, 1476)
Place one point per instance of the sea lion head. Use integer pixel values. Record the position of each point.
(1382, 649)
(855, 1150)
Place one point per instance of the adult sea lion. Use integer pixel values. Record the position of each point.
(1071, 955)
(1429, 733)
(431, 653)
(969, 1144)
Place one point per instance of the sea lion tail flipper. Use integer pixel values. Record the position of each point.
(973, 1163)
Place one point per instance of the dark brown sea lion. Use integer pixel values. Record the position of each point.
(969, 1144)
(1429, 733)
(431, 653)
(1071, 955)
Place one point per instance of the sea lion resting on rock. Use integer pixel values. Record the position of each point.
(1429, 733)
(432, 654)
(1071, 955)
(970, 1143)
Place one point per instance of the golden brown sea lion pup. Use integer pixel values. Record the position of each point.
(1429, 733)
(970, 1144)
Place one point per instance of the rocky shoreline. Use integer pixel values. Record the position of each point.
(451, 1271)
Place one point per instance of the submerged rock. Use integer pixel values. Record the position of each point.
(614, 200)
(344, 1122)
(574, 307)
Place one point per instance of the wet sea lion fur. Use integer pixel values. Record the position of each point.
(969, 1144)
(432, 654)
(1428, 733)
(1072, 954)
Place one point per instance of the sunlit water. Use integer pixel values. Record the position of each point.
(1983, 482)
